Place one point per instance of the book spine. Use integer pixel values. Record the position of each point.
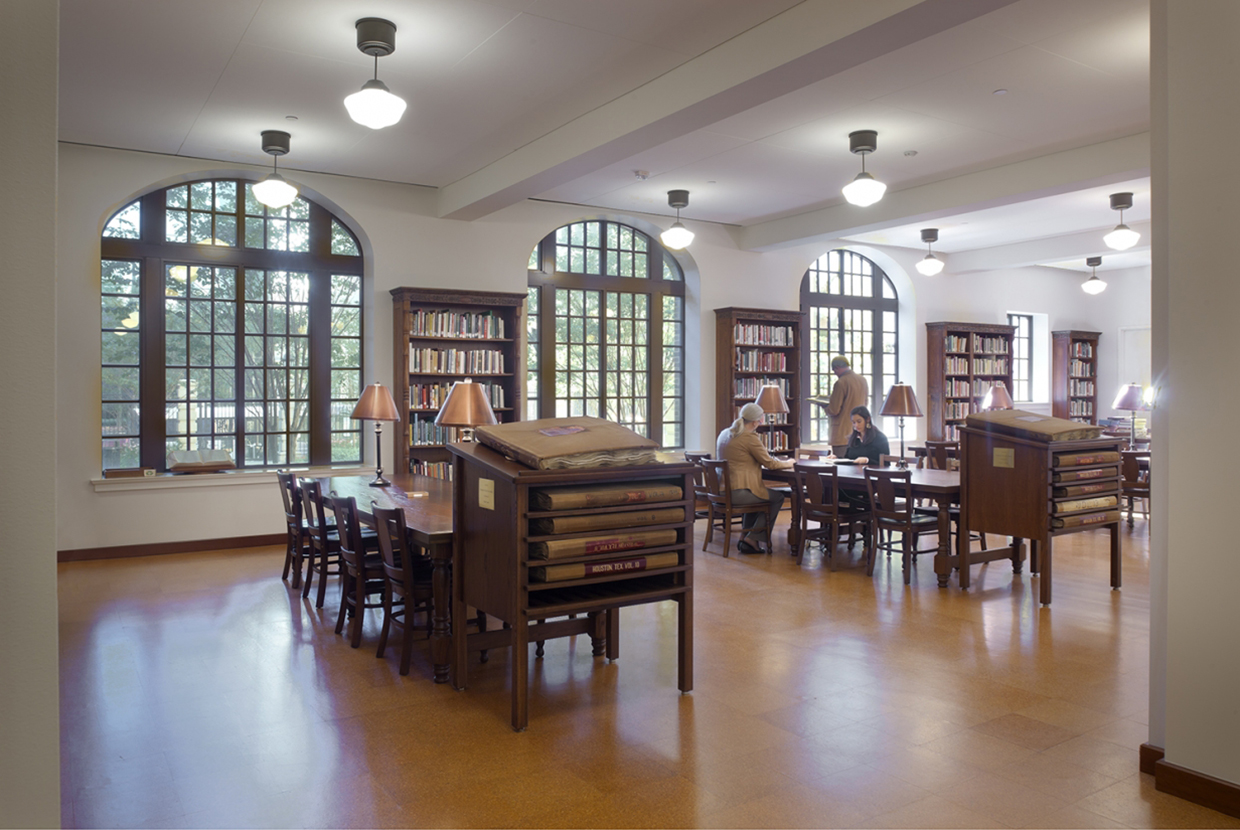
(597, 545)
(1086, 519)
(581, 570)
(1086, 504)
(609, 498)
(1084, 489)
(1082, 459)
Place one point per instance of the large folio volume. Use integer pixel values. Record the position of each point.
(563, 443)
(605, 543)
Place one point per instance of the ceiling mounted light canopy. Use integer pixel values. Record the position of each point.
(864, 190)
(677, 236)
(274, 191)
(1093, 285)
(1123, 237)
(375, 106)
(930, 264)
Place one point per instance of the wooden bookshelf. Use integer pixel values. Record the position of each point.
(1074, 375)
(754, 347)
(443, 336)
(964, 361)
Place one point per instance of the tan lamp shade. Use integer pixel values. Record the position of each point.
(376, 405)
(1129, 399)
(901, 401)
(771, 399)
(465, 406)
(997, 397)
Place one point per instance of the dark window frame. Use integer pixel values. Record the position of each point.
(546, 280)
(1022, 387)
(154, 254)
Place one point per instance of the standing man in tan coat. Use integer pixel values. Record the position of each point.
(850, 391)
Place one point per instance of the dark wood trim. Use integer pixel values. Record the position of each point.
(1197, 787)
(1150, 755)
(160, 548)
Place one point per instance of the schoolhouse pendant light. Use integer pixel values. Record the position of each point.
(864, 190)
(930, 264)
(1123, 237)
(274, 191)
(375, 106)
(1093, 285)
(677, 236)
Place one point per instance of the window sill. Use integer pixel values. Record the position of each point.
(228, 478)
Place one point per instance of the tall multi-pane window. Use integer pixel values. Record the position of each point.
(228, 325)
(1022, 356)
(852, 310)
(606, 330)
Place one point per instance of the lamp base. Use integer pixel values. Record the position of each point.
(380, 481)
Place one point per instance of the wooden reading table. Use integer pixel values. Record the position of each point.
(429, 520)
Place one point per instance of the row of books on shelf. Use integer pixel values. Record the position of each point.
(771, 417)
(759, 335)
(957, 409)
(749, 387)
(957, 366)
(1080, 387)
(1080, 409)
(423, 432)
(1082, 348)
(1081, 369)
(990, 366)
(951, 432)
(956, 343)
(456, 361)
(957, 388)
(991, 345)
(432, 395)
(475, 325)
(433, 469)
(775, 440)
(751, 360)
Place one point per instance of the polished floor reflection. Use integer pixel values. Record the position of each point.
(199, 691)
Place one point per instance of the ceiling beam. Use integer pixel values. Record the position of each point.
(811, 41)
(1042, 251)
(1107, 162)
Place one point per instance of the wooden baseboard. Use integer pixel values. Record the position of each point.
(1197, 787)
(1150, 755)
(160, 548)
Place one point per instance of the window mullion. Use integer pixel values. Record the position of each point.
(151, 418)
(320, 370)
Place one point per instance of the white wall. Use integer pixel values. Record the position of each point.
(407, 245)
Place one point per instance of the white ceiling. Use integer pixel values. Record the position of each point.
(745, 103)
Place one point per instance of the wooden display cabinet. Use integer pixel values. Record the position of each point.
(754, 347)
(963, 361)
(495, 511)
(443, 336)
(1074, 375)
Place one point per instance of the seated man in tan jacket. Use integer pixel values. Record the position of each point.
(740, 446)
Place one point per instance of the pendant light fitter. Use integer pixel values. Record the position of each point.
(1093, 285)
(375, 106)
(864, 190)
(274, 191)
(1123, 237)
(677, 236)
(930, 264)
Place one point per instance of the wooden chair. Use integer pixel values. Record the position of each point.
(324, 552)
(723, 513)
(817, 491)
(407, 577)
(1136, 481)
(298, 541)
(701, 505)
(941, 454)
(361, 572)
(892, 512)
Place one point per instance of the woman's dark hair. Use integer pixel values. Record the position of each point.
(864, 412)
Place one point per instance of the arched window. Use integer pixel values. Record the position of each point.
(606, 322)
(229, 325)
(852, 310)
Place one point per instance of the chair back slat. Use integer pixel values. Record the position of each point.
(888, 489)
(315, 510)
(1130, 465)
(718, 481)
(291, 497)
(349, 528)
(393, 536)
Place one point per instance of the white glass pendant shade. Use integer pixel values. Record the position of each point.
(274, 191)
(1122, 238)
(1093, 285)
(676, 237)
(375, 106)
(864, 190)
(930, 265)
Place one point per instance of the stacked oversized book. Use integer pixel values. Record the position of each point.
(595, 538)
(1085, 488)
(568, 443)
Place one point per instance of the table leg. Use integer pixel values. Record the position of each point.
(441, 631)
(1116, 558)
(1045, 575)
(794, 529)
(684, 642)
(613, 632)
(521, 673)
(943, 557)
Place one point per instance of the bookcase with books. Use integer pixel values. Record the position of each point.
(554, 553)
(755, 347)
(1074, 375)
(964, 361)
(443, 336)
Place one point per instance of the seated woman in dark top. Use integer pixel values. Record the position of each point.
(866, 444)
